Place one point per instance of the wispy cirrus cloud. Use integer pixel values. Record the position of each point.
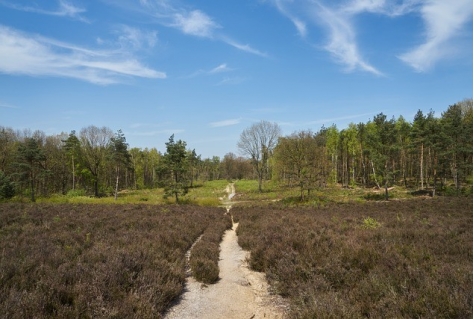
(342, 42)
(443, 20)
(135, 39)
(8, 105)
(189, 21)
(231, 80)
(391, 8)
(223, 123)
(298, 22)
(220, 68)
(243, 47)
(337, 22)
(64, 9)
(27, 54)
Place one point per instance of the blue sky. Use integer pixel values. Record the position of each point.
(206, 70)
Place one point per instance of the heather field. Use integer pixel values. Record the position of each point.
(396, 259)
(102, 261)
(408, 258)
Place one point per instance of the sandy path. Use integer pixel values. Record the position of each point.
(240, 292)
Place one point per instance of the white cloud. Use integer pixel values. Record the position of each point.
(342, 42)
(231, 80)
(443, 21)
(191, 22)
(337, 21)
(225, 123)
(218, 69)
(299, 24)
(195, 23)
(136, 39)
(65, 9)
(221, 68)
(243, 47)
(25, 54)
(7, 105)
(392, 8)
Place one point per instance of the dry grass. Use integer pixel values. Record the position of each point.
(397, 259)
(97, 261)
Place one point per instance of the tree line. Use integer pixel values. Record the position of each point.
(98, 162)
(428, 153)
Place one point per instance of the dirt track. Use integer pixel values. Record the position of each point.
(240, 292)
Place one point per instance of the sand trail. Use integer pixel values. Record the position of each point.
(240, 292)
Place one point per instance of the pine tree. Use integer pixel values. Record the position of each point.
(119, 155)
(72, 147)
(30, 158)
(174, 169)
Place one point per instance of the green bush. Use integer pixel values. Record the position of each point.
(370, 223)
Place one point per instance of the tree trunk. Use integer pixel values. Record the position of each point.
(421, 166)
(259, 183)
(32, 187)
(117, 170)
(375, 175)
(73, 174)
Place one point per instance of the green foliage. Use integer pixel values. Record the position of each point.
(370, 223)
(30, 158)
(174, 169)
(7, 190)
(76, 193)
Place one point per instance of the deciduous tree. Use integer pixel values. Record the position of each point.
(94, 141)
(258, 142)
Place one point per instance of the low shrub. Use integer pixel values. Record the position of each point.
(415, 262)
(370, 223)
(96, 261)
(204, 260)
(205, 270)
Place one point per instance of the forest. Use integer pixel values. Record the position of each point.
(429, 153)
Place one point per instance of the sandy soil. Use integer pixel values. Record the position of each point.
(240, 292)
